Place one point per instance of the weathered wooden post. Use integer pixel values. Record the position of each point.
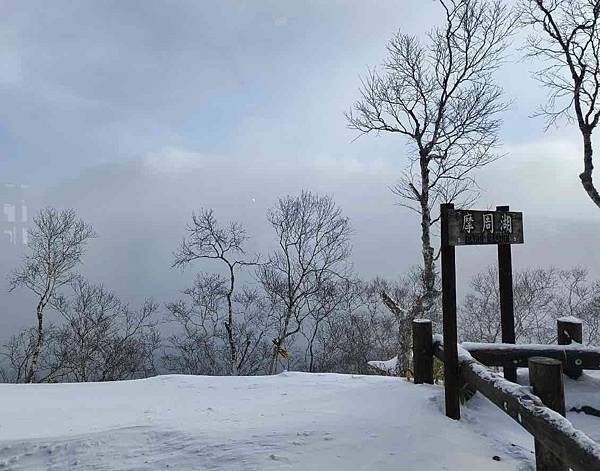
(422, 351)
(451, 381)
(570, 329)
(507, 316)
(474, 227)
(545, 377)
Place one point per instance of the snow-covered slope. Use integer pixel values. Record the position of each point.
(290, 421)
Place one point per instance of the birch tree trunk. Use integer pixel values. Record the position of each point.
(588, 167)
(229, 323)
(429, 292)
(39, 341)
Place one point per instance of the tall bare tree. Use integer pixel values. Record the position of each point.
(313, 251)
(56, 244)
(567, 36)
(441, 97)
(206, 239)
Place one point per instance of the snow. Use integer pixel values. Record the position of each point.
(292, 421)
(581, 392)
(388, 366)
(573, 395)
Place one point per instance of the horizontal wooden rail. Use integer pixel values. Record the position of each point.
(551, 429)
(573, 356)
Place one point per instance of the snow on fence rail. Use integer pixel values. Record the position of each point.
(557, 441)
(506, 354)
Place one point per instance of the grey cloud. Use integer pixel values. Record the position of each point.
(137, 113)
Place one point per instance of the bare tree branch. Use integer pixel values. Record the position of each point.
(566, 36)
(441, 97)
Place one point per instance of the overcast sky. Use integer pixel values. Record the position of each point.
(137, 113)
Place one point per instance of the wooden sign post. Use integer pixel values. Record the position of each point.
(451, 381)
(507, 314)
(472, 227)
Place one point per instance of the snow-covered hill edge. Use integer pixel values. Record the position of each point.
(289, 421)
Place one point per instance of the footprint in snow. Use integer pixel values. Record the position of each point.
(282, 459)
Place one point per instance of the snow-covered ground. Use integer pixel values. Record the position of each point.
(585, 391)
(289, 421)
(292, 421)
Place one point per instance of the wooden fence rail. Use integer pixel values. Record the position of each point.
(556, 438)
(503, 354)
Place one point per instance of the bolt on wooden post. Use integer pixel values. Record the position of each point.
(569, 330)
(545, 377)
(422, 351)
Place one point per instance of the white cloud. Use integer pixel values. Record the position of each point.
(175, 159)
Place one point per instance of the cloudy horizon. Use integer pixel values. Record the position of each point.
(136, 117)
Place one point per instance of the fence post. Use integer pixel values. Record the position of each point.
(570, 329)
(422, 341)
(545, 377)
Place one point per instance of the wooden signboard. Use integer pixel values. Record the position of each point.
(474, 227)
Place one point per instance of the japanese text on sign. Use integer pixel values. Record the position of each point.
(474, 227)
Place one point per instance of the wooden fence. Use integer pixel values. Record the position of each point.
(539, 409)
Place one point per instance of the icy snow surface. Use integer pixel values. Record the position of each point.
(292, 421)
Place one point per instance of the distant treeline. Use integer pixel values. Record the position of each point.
(301, 308)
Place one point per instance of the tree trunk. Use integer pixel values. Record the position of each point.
(38, 344)
(274, 359)
(588, 167)
(229, 324)
(405, 341)
(232, 350)
(279, 340)
(428, 276)
(311, 363)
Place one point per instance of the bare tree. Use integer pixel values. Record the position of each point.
(100, 339)
(479, 314)
(335, 296)
(313, 251)
(405, 302)
(579, 297)
(204, 344)
(358, 331)
(535, 293)
(56, 244)
(567, 37)
(441, 97)
(207, 240)
(17, 353)
(542, 295)
(197, 349)
(103, 339)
